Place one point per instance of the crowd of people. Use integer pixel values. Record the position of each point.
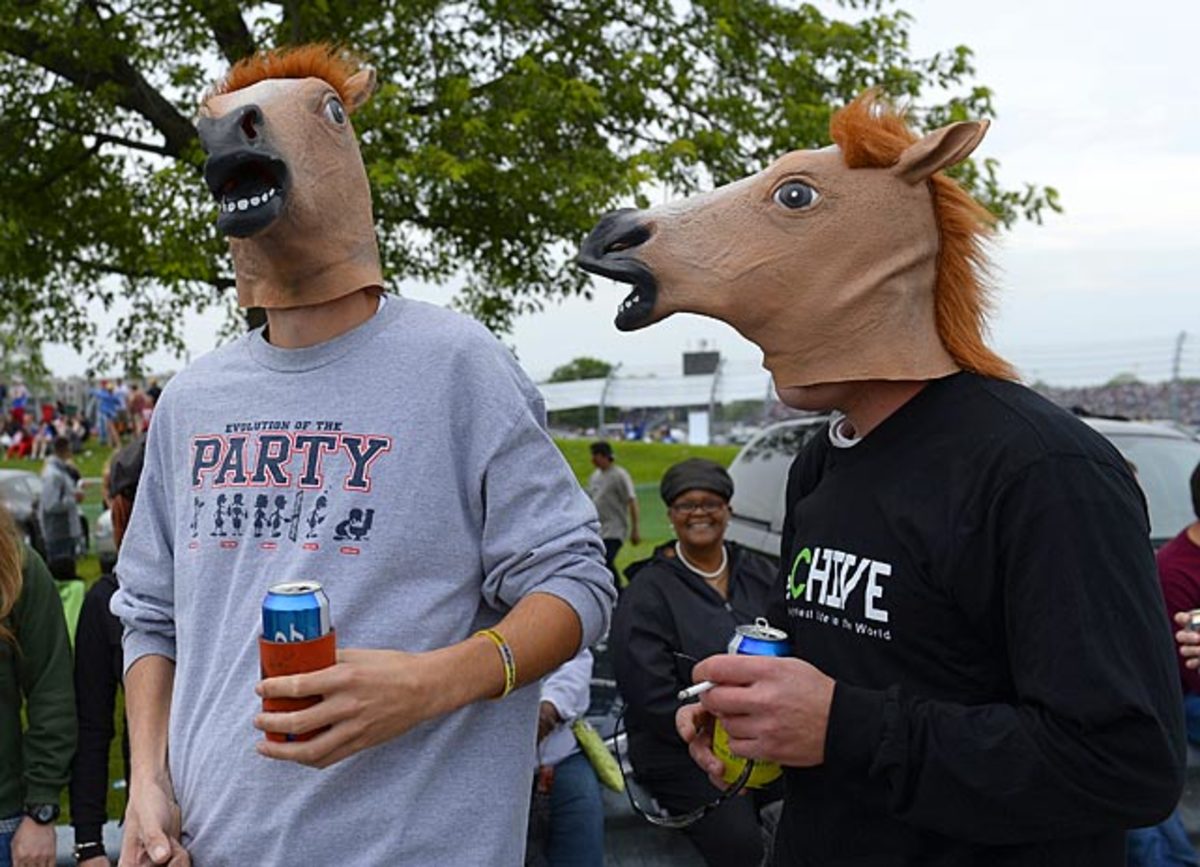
(1137, 401)
(114, 411)
(1132, 400)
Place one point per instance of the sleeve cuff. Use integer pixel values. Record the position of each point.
(855, 727)
(36, 794)
(565, 702)
(582, 597)
(139, 644)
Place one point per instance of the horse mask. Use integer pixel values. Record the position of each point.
(284, 166)
(854, 262)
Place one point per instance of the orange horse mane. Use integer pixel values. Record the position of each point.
(315, 60)
(871, 134)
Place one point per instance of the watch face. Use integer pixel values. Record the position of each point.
(43, 814)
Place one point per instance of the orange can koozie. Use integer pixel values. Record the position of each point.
(294, 657)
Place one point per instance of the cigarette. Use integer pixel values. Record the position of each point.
(695, 690)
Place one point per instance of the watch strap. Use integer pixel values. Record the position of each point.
(84, 851)
(43, 814)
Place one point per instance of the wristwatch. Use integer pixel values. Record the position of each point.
(84, 851)
(43, 814)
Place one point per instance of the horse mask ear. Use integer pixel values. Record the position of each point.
(359, 88)
(940, 149)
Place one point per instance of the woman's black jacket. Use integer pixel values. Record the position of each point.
(666, 621)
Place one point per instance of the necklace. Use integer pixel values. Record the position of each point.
(707, 575)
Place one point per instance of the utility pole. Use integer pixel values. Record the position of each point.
(1175, 365)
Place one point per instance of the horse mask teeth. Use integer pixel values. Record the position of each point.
(287, 177)
(827, 259)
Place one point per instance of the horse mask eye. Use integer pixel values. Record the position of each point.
(796, 196)
(335, 111)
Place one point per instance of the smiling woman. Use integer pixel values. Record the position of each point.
(683, 604)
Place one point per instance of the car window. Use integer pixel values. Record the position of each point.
(1164, 466)
(760, 471)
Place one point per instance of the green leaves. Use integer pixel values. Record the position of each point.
(499, 133)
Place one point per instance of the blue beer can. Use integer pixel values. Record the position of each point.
(760, 639)
(754, 639)
(295, 611)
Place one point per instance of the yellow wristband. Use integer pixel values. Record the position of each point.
(506, 657)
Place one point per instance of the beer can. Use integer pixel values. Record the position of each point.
(760, 639)
(295, 611)
(1194, 620)
(755, 639)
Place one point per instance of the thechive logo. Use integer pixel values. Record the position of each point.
(794, 589)
(832, 578)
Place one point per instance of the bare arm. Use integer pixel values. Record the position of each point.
(372, 696)
(152, 819)
(543, 633)
(635, 535)
(148, 685)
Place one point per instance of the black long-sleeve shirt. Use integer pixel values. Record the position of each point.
(977, 576)
(98, 667)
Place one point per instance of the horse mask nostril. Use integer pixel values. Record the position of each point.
(626, 235)
(251, 120)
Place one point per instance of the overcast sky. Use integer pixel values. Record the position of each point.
(1095, 97)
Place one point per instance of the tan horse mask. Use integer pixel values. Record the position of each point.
(284, 166)
(855, 262)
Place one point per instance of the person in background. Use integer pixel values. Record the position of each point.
(19, 395)
(76, 432)
(108, 405)
(682, 605)
(1166, 844)
(612, 492)
(43, 441)
(1179, 572)
(20, 439)
(59, 506)
(566, 791)
(137, 405)
(99, 662)
(35, 686)
(124, 424)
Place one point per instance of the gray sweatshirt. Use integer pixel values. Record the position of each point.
(60, 513)
(404, 465)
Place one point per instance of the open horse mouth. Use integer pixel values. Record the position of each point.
(609, 251)
(250, 188)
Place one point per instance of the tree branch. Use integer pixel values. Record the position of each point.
(127, 142)
(106, 138)
(219, 283)
(228, 27)
(134, 92)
